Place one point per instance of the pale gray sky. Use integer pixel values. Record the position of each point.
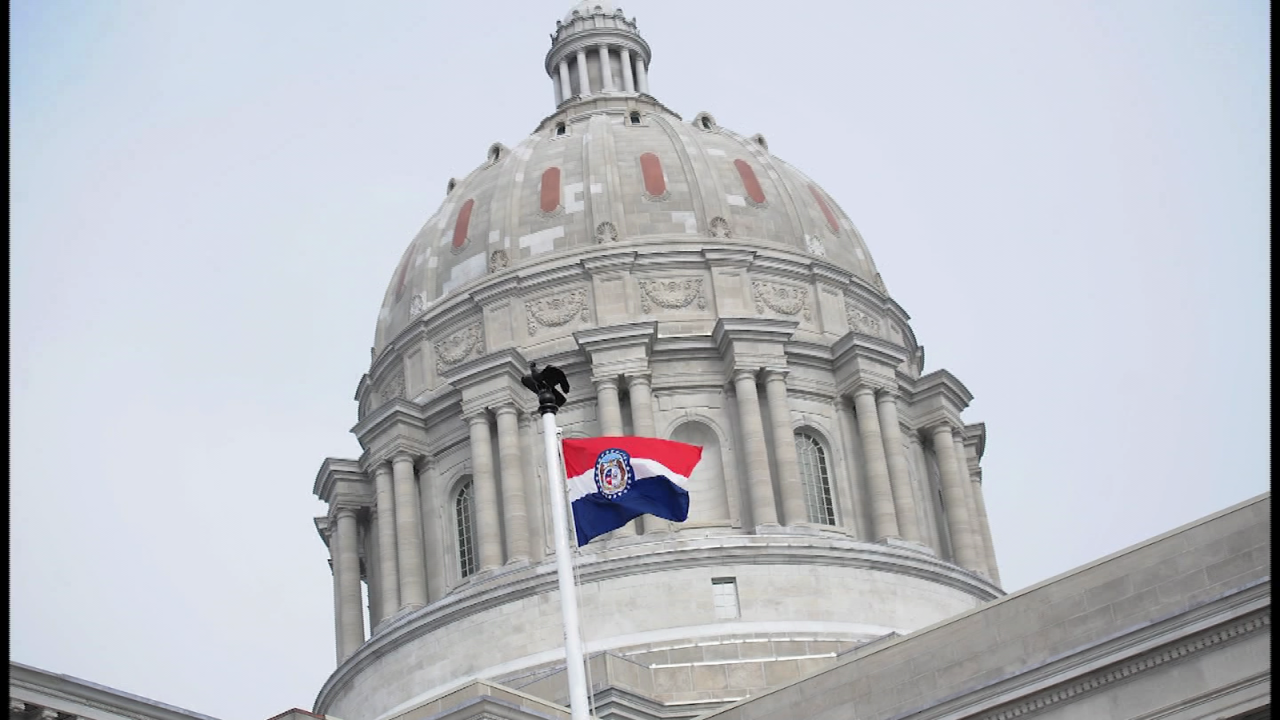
(208, 200)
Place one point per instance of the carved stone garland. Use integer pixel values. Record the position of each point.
(859, 320)
(557, 310)
(671, 294)
(459, 346)
(784, 299)
(417, 305)
(814, 244)
(498, 260)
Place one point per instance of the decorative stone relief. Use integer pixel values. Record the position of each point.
(815, 246)
(417, 305)
(394, 388)
(557, 310)
(859, 320)
(784, 299)
(720, 228)
(459, 346)
(606, 232)
(498, 260)
(671, 294)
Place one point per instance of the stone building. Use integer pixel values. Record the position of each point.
(695, 287)
(837, 561)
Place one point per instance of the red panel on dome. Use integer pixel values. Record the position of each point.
(826, 209)
(749, 181)
(464, 220)
(651, 167)
(550, 189)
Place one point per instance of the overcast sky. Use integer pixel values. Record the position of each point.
(208, 200)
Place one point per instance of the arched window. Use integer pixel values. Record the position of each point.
(465, 516)
(635, 118)
(816, 480)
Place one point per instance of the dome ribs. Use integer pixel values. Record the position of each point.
(826, 210)
(749, 181)
(549, 190)
(461, 225)
(651, 167)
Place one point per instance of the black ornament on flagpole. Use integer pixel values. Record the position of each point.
(543, 383)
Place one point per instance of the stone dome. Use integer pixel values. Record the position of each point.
(617, 168)
(591, 7)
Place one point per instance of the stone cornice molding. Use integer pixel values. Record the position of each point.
(515, 584)
(1116, 659)
(398, 415)
(768, 265)
(388, 446)
(324, 526)
(339, 478)
(505, 363)
(614, 262)
(753, 342)
(939, 397)
(728, 257)
(75, 691)
(865, 360)
(975, 434)
(506, 286)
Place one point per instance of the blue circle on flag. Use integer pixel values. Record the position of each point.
(614, 474)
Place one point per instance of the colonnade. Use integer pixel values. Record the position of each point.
(403, 534)
(634, 78)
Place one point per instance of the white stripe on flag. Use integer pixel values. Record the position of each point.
(585, 484)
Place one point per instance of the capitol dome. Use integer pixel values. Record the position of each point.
(693, 287)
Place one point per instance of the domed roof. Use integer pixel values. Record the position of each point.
(613, 165)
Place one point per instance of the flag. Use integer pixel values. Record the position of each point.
(613, 480)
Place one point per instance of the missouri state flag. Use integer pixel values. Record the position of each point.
(613, 480)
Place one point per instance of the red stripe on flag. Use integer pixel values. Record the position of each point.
(580, 454)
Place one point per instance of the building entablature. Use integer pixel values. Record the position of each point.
(748, 343)
(622, 349)
(338, 477)
(975, 440)
(490, 380)
(864, 360)
(938, 397)
(398, 420)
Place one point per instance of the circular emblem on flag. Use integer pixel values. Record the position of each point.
(614, 474)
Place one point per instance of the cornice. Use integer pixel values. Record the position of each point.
(623, 335)
(857, 346)
(508, 362)
(333, 471)
(976, 435)
(82, 692)
(942, 382)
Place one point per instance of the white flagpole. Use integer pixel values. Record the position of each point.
(574, 665)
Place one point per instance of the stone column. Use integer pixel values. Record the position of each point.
(413, 581)
(984, 527)
(608, 409)
(884, 520)
(642, 77)
(346, 573)
(584, 80)
(373, 570)
(899, 473)
(784, 448)
(759, 482)
(388, 567)
(853, 490)
(432, 529)
(606, 70)
(488, 528)
(566, 85)
(535, 461)
(642, 423)
(513, 487)
(954, 497)
(555, 90)
(962, 471)
(628, 79)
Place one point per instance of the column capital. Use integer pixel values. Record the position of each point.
(864, 389)
(402, 456)
(382, 466)
(426, 463)
(344, 510)
(475, 415)
(744, 373)
(639, 378)
(606, 381)
(779, 373)
(507, 408)
(888, 394)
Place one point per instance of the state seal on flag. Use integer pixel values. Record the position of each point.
(614, 474)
